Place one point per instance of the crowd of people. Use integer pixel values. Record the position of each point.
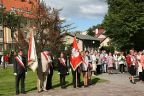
(103, 62)
(93, 63)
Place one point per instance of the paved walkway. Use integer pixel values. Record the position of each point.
(117, 85)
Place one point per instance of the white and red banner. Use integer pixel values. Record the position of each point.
(32, 56)
(75, 59)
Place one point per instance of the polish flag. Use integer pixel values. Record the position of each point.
(75, 59)
(32, 56)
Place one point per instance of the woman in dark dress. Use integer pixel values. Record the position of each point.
(63, 69)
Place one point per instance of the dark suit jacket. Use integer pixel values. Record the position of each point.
(62, 69)
(17, 68)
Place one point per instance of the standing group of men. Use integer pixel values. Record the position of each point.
(44, 71)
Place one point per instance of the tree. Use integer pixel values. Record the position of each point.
(12, 21)
(47, 28)
(47, 33)
(124, 23)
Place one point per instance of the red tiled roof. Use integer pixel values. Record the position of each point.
(27, 9)
(100, 31)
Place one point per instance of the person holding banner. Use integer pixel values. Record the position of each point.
(75, 61)
(20, 69)
(78, 72)
(43, 69)
(62, 69)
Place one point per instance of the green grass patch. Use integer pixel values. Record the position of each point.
(7, 81)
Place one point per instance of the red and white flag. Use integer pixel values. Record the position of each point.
(75, 59)
(32, 56)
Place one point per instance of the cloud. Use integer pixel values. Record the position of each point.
(85, 9)
(93, 9)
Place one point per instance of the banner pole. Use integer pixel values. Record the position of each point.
(76, 78)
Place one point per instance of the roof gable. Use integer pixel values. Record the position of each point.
(82, 37)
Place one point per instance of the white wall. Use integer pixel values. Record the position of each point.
(105, 42)
(69, 40)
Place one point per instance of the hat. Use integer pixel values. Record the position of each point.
(46, 49)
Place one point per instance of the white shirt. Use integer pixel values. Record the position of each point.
(133, 59)
(121, 60)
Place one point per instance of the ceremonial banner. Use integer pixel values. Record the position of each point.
(75, 59)
(32, 56)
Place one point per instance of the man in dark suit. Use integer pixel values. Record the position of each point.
(20, 69)
(77, 71)
(62, 69)
(50, 73)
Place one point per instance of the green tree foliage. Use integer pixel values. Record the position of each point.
(124, 23)
(48, 29)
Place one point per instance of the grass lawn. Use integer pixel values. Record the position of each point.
(7, 81)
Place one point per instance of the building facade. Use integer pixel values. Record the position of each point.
(26, 8)
(85, 42)
(99, 34)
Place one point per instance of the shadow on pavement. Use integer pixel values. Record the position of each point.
(31, 89)
(56, 85)
(95, 80)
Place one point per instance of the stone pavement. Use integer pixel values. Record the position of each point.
(117, 85)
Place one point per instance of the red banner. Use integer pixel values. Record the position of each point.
(75, 59)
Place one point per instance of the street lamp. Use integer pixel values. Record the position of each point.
(2, 29)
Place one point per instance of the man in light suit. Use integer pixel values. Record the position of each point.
(42, 72)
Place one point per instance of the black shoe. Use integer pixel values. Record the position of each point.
(74, 86)
(134, 82)
(17, 93)
(23, 93)
(39, 91)
(79, 86)
(63, 87)
(85, 86)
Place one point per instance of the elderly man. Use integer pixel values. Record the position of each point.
(43, 69)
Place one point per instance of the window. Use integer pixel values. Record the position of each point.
(1, 34)
(23, 0)
(1, 47)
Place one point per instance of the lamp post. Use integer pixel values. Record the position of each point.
(2, 29)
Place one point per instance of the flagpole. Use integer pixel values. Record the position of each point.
(76, 71)
(76, 78)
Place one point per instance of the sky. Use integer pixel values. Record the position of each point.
(82, 14)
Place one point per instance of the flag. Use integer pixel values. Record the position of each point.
(32, 56)
(75, 59)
